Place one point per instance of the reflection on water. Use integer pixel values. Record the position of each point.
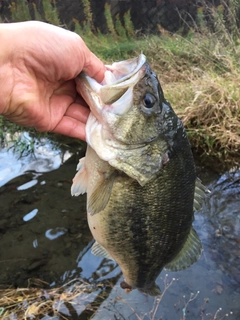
(45, 159)
(53, 234)
(30, 215)
(28, 185)
(96, 268)
(53, 243)
(223, 211)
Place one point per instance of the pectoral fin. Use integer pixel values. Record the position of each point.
(98, 250)
(80, 180)
(188, 255)
(101, 194)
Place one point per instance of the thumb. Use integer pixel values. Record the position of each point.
(94, 67)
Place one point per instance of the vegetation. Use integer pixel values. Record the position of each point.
(36, 302)
(84, 299)
(199, 73)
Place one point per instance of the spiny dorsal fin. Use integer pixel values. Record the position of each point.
(79, 185)
(101, 194)
(188, 255)
(199, 195)
(98, 250)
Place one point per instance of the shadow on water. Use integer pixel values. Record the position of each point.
(44, 235)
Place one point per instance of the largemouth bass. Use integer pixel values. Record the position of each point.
(139, 176)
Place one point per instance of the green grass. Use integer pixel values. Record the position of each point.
(20, 11)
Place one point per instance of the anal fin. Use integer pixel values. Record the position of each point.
(98, 250)
(189, 254)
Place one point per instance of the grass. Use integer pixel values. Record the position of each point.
(35, 303)
(84, 299)
(199, 73)
(200, 77)
(213, 118)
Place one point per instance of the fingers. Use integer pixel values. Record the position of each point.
(72, 123)
(71, 127)
(78, 112)
(94, 67)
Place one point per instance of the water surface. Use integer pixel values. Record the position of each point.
(44, 235)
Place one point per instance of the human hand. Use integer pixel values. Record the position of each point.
(38, 65)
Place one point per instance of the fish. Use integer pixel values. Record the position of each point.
(139, 176)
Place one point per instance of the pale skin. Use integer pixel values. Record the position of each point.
(38, 65)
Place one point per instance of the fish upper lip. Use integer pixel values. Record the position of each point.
(140, 60)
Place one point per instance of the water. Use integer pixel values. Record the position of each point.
(44, 235)
(210, 288)
(45, 158)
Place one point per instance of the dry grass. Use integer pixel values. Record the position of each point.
(210, 109)
(35, 303)
(213, 118)
(200, 77)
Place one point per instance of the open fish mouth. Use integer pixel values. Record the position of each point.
(119, 78)
(122, 71)
(117, 73)
(118, 102)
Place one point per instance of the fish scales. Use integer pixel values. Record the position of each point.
(136, 234)
(139, 176)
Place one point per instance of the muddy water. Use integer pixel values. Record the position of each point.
(44, 235)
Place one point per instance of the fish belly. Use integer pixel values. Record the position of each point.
(143, 228)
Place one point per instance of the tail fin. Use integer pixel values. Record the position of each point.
(152, 291)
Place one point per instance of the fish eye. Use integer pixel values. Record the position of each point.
(149, 100)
